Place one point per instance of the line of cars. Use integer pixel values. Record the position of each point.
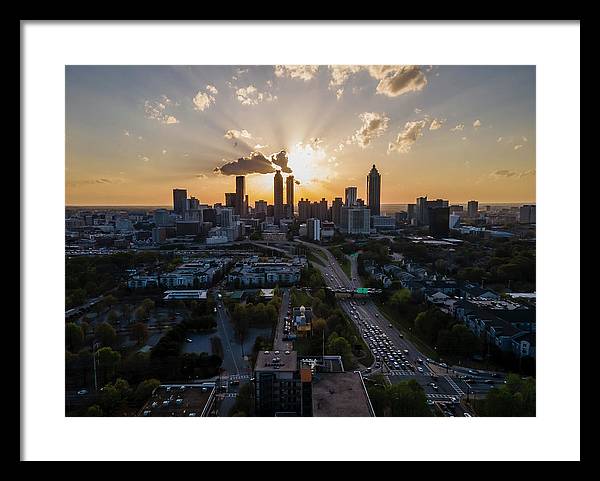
(384, 349)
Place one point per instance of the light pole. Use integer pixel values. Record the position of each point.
(94, 347)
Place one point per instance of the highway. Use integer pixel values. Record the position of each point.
(401, 359)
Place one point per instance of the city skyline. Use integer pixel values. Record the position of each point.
(461, 133)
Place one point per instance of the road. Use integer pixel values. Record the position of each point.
(278, 342)
(397, 358)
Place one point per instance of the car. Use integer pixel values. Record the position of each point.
(187, 339)
(433, 386)
(214, 309)
(420, 361)
(401, 336)
(420, 369)
(368, 369)
(495, 374)
(234, 382)
(444, 364)
(405, 351)
(454, 400)
(82, 392)
(376, 315)
(389, 325)
(467, 415)
(489, 381)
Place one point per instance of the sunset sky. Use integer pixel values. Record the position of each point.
(133, 133)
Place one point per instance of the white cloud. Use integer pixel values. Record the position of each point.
(302, 72)
(237, 134)
(477, 124)
(418, 111)
(499, 139)
(212, 89)
(155, 110)
(143, 157)
(164, 151)
(140, 137)
(518, 146)
(458, 128)
(126, 133)
(395, 80)
(463, 138)
(251, 96)
(341, 73)
(436, 124)
(202, 101)
(374, 125)
(524, 139)
(260, 146)
(407, 137)
(339, 93)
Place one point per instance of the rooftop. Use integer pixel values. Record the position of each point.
(185, 295)
(340, 394)
(269, 361)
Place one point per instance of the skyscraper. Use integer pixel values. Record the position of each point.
(179, 201)
(303, 209)
(289, 195)
(473, 209)
(351, 195)
(336, 211)
(278, 197)
(374, 191)
(439, 221)
(240, 195)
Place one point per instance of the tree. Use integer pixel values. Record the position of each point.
(94, 411)
(106, 334)
(515, 398)
(400, 299)
(113, 396)
(110, 301)
(108, 361)
(144, 390)
(319, 325)
(339, 346)
(139, 332)
(148, 305)
(73, 337)
(112, 317)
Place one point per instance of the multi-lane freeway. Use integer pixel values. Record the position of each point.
(395, 357)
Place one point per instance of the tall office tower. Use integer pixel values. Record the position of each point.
(240, 195)
(303, 209)
(313, 228)
(411, 211)
(179, 201)
(439, 221)
(230, 199)
(527, 214)
(421, 210)
(289, 195)
(360, 203)
(456, 208)
(246, 205)
(351, 195)
(278, 197)
(323, 209)
(473, 209)
(374, 191)
(260, 207)
(209, 215)
(336, 211)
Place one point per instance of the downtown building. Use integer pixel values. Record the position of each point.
(374, 191)
(278, 211)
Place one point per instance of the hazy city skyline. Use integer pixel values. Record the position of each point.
(459, 133)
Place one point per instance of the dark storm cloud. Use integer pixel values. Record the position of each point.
(280, 159)
(256, 163)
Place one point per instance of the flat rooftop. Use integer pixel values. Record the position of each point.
(276, 361)
(177, 400)
(185, 295)
(340, 394)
